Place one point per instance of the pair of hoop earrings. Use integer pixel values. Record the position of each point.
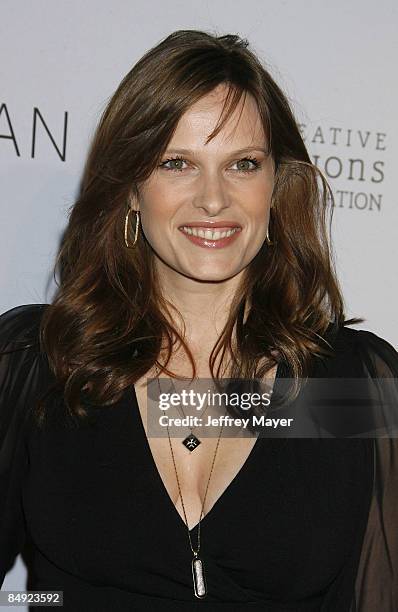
(137, 222)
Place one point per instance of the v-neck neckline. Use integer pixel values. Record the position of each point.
(233, 482)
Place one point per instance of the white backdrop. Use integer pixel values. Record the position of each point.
(60, 62)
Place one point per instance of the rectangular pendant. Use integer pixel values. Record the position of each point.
(198, 575)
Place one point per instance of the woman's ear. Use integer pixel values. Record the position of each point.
(133, 201)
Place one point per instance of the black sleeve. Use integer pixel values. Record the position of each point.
(376, 586)
(20, 360)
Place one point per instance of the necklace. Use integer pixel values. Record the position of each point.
(198, 570)
(191, 441)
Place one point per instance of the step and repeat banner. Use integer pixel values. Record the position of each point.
(61, 61)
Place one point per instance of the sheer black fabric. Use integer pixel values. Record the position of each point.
(305, 525)
(377, 577)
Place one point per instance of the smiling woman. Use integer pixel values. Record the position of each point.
(215, 185)
(198, 249)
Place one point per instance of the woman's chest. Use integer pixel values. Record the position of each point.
(197, 454)
(96, 505)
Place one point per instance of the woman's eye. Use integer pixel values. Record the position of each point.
(175, 164)
(248, 164)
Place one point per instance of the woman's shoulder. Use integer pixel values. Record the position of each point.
(360, 352)
(20, 325)
(21, 358)
(378, 356)
(360, 378)
(24, 371)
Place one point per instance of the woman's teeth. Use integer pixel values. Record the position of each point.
(209, 234)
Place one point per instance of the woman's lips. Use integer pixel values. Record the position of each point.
(209, 243)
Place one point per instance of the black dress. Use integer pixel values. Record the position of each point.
(305, 525)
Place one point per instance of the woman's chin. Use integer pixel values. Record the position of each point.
(211, 274)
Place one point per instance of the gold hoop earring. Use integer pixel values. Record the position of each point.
(126, 224)
(267, 239)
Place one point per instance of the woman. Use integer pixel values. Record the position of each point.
(197, 136)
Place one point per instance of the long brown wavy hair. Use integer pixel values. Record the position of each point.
(105, 326)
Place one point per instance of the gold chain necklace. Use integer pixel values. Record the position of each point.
(198, 571)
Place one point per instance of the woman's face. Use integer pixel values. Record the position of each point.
(227, 182)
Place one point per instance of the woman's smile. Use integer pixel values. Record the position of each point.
(211, 238)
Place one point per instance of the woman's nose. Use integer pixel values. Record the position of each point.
(211, 195)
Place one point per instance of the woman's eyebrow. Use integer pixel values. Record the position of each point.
(237, 152)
